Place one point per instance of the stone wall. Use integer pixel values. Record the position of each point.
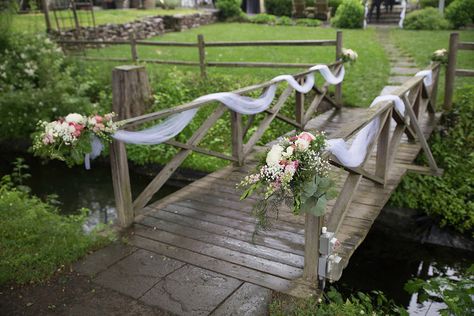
(145, 28)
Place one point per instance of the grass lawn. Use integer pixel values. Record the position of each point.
(421, 44)
(35, 22)
(364, 79)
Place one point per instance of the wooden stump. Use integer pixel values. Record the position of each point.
(131, 91)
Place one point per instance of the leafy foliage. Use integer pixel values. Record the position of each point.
(460, 13)
(456, 294)
(308, 22)
(334, 4)
(34, 239)
(334, 304)
(425, 19)
(450, 197)
(229, 8)
(349, 14)
(284, 20)
(38, 83)
(279, 7)
(432, 3)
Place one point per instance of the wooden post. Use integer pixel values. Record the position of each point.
(132, 90)
(312, 230)
(126, 90)
(237, 137)
(76, 19)
(382, 157)
(133, 47)
(46, 15)
(299, 106)
(202, 55)
(338, 91)
(450, 71)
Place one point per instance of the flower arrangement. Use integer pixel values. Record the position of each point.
(70, 138)
(293, 171)
(440, 55)
(348, 55)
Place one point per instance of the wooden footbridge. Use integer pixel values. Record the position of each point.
(206, 225)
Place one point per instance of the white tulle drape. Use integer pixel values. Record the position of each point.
(173, 125)
(352, 155)
(402, 14)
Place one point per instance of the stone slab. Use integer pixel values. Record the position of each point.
(137, 273)
(191, 291)
(403, 71)
(405, 64)
(248, 300)
(103, 258)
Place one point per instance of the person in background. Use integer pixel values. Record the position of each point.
(375, 5)
(389, 5)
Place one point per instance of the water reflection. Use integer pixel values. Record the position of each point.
(385, 262)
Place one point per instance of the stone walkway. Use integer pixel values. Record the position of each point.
(402, 66)
(154, 280)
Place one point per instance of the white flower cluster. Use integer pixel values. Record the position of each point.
(349, 55)
(440, 52)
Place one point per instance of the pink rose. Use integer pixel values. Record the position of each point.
(99, 127)
(48, 139)
(307, 137)
(77, 129)
(98, 118)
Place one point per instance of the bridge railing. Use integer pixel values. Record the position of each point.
(381, 153)
(304, 110)
(451, 71)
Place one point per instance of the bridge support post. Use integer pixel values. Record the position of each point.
(338, 92)
(312, 231)
(130, 90)
(451, 71)
(237, 137)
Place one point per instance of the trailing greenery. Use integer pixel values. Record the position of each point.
(425, 19)
(279, 7)
(38, 83)
(334, 304)
(460, 13)
(349, 14)
(456, 294)
(449, 198)
(35, 241)
(229, 8)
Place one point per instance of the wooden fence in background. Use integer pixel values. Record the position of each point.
(451, 72)
(201, 46)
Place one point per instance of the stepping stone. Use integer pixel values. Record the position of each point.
(394, 80)
(137, 273)
(103, 258)
(191, 291)
(403, 71)
(248, 300)
(388, 90)
(405, 64)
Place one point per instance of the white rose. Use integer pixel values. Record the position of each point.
(301, 144)
(75, 118)
(440, 52)
(289, 151)
(274, 155)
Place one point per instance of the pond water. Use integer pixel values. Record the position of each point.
(383, 262)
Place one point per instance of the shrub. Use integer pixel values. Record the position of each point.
(460, 13)
(334, 4)
(229, 8)
(38, 83)
(425, 19)
(308, 22)
(263, 19)
(350, 14)
(284, 20)
(279, 7)
(449, 198)
(34, 239)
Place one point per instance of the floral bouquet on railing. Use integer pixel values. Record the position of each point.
(348, 55)
(69, 139)
(293, 172)
(441, 56)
